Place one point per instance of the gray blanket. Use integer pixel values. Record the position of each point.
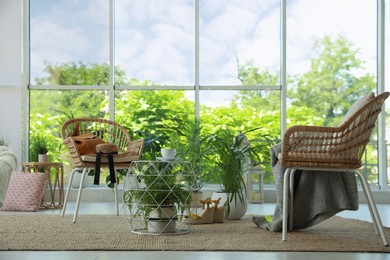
(317, 196)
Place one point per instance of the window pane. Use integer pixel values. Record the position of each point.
(243, 111)
(154, 40)
(237, 31)
(67, 33)
(331, 61)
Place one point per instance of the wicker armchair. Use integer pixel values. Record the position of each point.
(330, 149)
(108, 131)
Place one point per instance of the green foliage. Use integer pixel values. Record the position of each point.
(154, 115)
(193, 144)
(73, 73)
(38, 145)
(61, 104)
(234, 155)
(249, 75)
(152, 145)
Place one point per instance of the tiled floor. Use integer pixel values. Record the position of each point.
(108, 208)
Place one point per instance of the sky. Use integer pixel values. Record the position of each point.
(154, 40)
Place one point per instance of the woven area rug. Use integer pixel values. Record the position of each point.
(106, 232)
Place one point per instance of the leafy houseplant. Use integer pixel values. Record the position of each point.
(152, 188)
(234, 155)
(193, 145)
(38, 146)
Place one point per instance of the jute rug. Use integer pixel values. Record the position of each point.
(109, 233)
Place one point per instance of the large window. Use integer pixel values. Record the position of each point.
(155, 65)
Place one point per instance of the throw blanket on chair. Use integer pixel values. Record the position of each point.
(8, 163)
(317, 196)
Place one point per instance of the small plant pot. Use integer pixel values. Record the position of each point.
(43, 158)
(162, 220)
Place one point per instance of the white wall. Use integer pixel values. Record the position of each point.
(11, 74)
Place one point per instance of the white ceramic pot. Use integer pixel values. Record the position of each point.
(43, 158)
(161, 226)
(237, 208)
(162, 220)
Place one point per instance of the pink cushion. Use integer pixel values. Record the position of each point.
(25, 191)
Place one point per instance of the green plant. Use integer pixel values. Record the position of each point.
(193, 146)
(152, 144)
(198, 185)
(234, 155)
(38, 145)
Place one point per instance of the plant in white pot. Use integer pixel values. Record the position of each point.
(234, 155)
(39, 148)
